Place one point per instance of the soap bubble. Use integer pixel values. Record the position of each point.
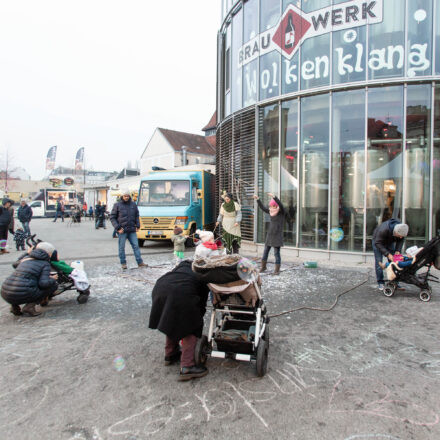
(336, 234)
(420, 15)
(247, 270)
(119, 363)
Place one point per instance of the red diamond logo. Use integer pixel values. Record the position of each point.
(290, 32)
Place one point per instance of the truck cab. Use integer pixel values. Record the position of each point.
(37, 207)
(175, 198)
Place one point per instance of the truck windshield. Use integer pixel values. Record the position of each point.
(164, 193)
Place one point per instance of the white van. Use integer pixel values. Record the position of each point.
(37, 207)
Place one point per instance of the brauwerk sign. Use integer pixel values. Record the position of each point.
(296, 26)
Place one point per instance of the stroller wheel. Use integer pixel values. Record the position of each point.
(389, 290)
(425, 295)
(262, 356)
(201, 351)
(82, 298)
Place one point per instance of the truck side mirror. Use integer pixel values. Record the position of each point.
(200, 194)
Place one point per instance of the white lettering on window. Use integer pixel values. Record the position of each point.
(308, 70)
(343, 66)
(322, 60)
(418, 59)
(290, 76)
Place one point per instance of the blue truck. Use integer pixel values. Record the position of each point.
(175, 198)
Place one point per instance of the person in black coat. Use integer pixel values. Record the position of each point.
(274, 237)
(125, 219)
(100, 209)
(24, 215)
(388, 239)
(31, 281)
(179, 304)
(6, 219)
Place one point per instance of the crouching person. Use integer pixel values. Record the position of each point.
(31, 282)
(179, 304)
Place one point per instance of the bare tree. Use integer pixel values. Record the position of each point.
(7, 167)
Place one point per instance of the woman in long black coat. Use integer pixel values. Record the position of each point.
(274, 237)
(179, 304)
(31, 281)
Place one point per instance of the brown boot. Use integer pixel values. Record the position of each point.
(263, 266)
(277, 269)
(29, 310)
(15, 310)
(142, 265)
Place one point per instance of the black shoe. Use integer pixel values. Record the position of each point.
(16, 310)
(172, 359)
(188, 373)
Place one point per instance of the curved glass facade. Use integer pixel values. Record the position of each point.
(346, 103)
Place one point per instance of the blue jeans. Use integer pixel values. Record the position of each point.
(132, 238)
(26, 227)
(59, 214)
(378, 257)
(276, 251)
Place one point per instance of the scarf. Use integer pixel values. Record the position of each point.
(229, 207)
(210, 245)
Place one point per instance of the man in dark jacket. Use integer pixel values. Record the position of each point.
(31, 282)
(100, 210)
(6, 220)
(387, 240)
(24, 214)
(59, 212)
(125, 219)
(179, 304)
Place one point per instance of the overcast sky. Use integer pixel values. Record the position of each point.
(102, 74)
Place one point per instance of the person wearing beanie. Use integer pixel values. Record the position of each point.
(230, 218)
(274, 236)
(207, 247)
(388, 239)
(31, 282)
(179, 244)
(125, 219)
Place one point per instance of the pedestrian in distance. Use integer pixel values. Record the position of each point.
(59, 210)
(100, 210)
(388, 239)
(84, 209)
(274, 236)
(24, 215)
(6, 223)
(179, 244)
(230, 218)
(31, 282)
(125, 219)
(91, 212)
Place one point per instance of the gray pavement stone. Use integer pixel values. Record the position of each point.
(368, 369)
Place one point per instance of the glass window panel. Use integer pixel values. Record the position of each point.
(386, 42)
(270, 75)
(268, 162)
(286, 3)
(289, 168)
(269, 14)
(437, 37)
(250, 25)
(314, 171)
(349, 55)
(250, 83)
(348, 171)
(289, 74)
(385, 158)
(436, 165)
(227, 104)
(237, 72)
(417, 163)
(313, 5)
(419, 37)
(315, 62)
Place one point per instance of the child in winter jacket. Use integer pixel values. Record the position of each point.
(20, 239)
(179, 244)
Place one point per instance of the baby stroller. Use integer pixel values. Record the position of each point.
(239, 325)
(427, 257)
(65, 282)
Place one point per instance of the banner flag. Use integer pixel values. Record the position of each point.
(79, 160)
(50, 159)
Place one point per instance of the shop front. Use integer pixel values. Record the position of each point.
(335, 106)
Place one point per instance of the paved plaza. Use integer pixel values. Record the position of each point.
(368, 369)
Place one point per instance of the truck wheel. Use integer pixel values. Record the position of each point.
(189, 243)
(141, 242)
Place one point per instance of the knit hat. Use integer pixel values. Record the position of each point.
(177, 230)
(46, 247)
(126, 193)
(205, 235)
(401, 229)
(273, 203)
(413, 251)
